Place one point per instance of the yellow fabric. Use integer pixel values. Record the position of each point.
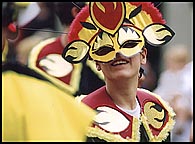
(22, 4)
(35, 110)
(5, 51)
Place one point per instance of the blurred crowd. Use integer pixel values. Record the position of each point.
(176, 86)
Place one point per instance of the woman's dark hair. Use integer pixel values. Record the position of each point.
(8, 12)
(63, 11)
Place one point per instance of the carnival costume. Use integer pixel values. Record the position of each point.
(33, 109)
(45, 58)
(113, 124)
(99, 32)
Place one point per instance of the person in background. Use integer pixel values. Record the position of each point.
(45, 57)
(114, 35)
(175, 86)
(34, 31)
(28, 14)
(191, 132)
(33, 110)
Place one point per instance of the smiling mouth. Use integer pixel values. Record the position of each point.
(119, 62)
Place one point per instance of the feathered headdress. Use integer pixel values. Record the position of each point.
(102, 29)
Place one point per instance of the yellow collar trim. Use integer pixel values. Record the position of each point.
(76, 76)
(5, 51)
(169, 126)
(110, 137)
(164, 132)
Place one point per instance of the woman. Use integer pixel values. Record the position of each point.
(114, 35)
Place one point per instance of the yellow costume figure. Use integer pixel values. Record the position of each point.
(35, 110)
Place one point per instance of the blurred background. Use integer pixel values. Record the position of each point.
(179, 16)
(169, 69)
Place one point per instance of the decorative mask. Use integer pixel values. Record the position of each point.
(102, 29)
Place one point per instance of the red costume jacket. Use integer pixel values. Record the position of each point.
(46, 59)
(113, 124)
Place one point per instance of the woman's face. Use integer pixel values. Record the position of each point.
(122, 66)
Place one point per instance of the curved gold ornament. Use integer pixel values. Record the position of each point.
(155, 117)
(75, 51)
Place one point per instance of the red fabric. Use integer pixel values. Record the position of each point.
(101, 98)
(53, 48)
(105, 18)
(76, 26)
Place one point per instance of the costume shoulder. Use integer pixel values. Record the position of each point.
(156, 115)
(35, 110)
(96, 98)
(110, 123)
(46, 59)
(21, 69)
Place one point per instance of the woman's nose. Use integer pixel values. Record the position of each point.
(119, 54)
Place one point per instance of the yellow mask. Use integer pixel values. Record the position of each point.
(102, 29)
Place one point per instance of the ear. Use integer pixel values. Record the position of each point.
(74, 11)
(143, 56)
(98, 67)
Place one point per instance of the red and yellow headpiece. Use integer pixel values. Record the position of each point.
(102, 29)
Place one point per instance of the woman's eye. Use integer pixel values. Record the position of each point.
(129, 45)
(103, 50)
